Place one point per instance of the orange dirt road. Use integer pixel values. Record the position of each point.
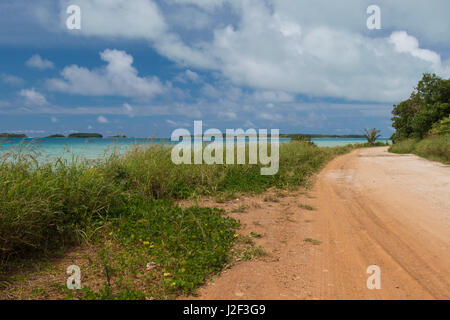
(373, 208)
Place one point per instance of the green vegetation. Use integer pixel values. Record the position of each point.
(371, 135)
(428, 104)
(56, 136)
(442, 127)
(85, 135)
(422, 122)
(306, 207)
(436, 148)
(125, 207)
(241, 209)
(296, 137)
(12, 135)
(313, 241)
(307, 137)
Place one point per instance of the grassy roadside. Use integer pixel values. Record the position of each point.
(145, 245)
(436, 148)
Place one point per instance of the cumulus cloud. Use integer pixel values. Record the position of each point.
(282, 47)
(119, 18)
(187, 76)
(129, 110)
(273, 96)
(188, 18)
(406, 43)
(269, 51)
(102, 119)
(313, 48)
(426, 20)
(275, 49)
(227, 115)
(117, 78)
(37, 62)
(173, 47)
(32, 98)
(11, 79)
(205, 4)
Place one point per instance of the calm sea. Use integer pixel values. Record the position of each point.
(48, 149)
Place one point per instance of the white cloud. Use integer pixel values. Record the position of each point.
(32, 98)
(187, 76)
(427, 20)
(37, 62)
(174, 48)
(11, 79)
(249, 124)
(284, 48)
(118, 18)
(269, 51)
(102, 119)
(406, 43)
(188, 18)
(128, 110)
(272, 116)
(273, 96)
(205, 4)
(315, 48)
(228, 115)
(117, 78)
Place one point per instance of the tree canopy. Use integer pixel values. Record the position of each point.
(428, 104)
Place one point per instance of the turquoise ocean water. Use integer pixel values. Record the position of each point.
(49, 149)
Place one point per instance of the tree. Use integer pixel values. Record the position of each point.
(371, 135)
(442, 127)
(428, 104)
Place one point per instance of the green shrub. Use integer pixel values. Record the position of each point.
(50, 205)
(434, 148)
(403, 146)
(186, 244)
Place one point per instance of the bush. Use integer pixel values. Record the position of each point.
(51, 205)
(403, 146)
(434, 148)
(187, 244)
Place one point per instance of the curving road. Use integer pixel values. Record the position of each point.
(373, 208)
(393, 211)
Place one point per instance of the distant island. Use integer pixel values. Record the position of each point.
(56, 136)
(85, 135)
(299, 136)
(119, 136)
(12, 135)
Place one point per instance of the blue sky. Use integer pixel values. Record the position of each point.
(147, 67)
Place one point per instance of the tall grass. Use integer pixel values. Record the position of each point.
(151, 173)
(58, 204)
(435, 148)
(49, 205)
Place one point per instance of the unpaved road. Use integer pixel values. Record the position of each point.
(373, 208)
